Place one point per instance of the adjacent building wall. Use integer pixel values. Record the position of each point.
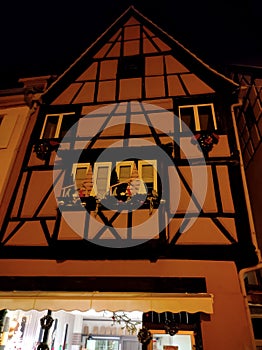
(249, 123)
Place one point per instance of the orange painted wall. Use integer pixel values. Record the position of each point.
(228, 327)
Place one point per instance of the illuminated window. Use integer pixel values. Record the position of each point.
(102, 173)
(101, 176)
(147, 170)
(57, 125)
(124, 170)
(79, 173)
(197, 117)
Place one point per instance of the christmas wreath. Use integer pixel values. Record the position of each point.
(43, 148)
(206, 140)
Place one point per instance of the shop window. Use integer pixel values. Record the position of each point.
(57, 125)
(171, 331)
(183, 339)
(102, 342)
(197, 117)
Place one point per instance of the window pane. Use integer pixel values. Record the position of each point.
(187, 117)
(147, 173)
(67, 122)
(101, 185)
(102, 180)
(81, 173)
(206, 118)
(124, 172)
(102, 172)
(80, 176)
(148, 176)
(50, 127)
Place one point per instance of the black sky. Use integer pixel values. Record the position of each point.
(42, 38)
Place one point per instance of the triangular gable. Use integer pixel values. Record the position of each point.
(132, 34)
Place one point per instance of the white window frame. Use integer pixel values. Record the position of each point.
(148, 162)
(94, 191)
(196, 115)
(77, 166)
(59, 123)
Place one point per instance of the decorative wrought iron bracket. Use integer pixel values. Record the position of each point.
(44, 148)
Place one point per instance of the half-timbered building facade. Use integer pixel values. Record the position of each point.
(131, 184)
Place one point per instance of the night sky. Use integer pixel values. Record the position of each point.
(42, 38)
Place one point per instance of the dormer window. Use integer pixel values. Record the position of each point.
(197, 117)
(57, 125)
(131, 67)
